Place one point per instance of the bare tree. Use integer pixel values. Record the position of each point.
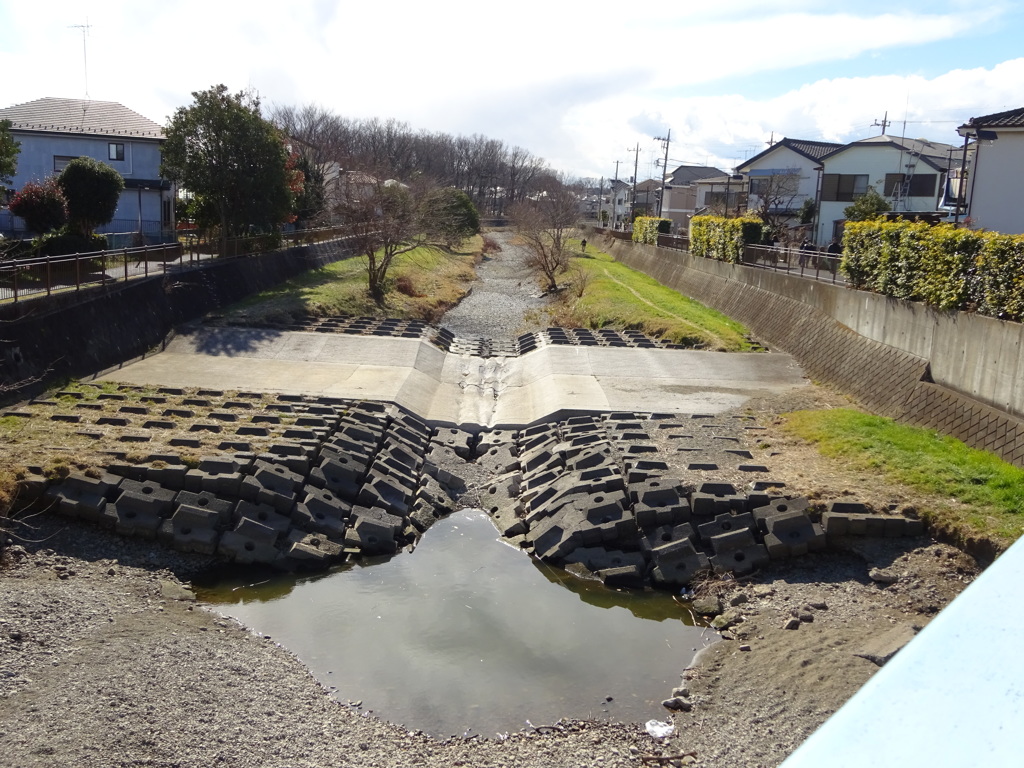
(546, 222)
(773, 198)
(386, 219)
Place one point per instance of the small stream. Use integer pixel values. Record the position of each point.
(467, 635)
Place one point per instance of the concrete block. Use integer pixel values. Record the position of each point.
(666, 534)
(499, 459)
(371, 536)
(725, 524)
(386, 491)
(191, 529)
(264, 514)
(422, 515)
(737, 551)
(598, 559)
(458, 440)
(655, 492)
(677, 563)
(249, 542)
(205, 500)
(129, 518)
(780, 506)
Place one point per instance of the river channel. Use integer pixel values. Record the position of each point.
(467, 635)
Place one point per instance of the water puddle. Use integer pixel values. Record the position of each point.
(467, 635)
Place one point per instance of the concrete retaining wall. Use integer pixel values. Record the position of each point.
(954, 372)
(85, 332)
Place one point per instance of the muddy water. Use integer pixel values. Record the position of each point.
(467, 635)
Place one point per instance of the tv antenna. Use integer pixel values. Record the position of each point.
(85, 53)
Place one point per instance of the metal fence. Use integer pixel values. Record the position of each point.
(813, 265)
(39, 276)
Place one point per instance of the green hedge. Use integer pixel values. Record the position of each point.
(647, 228)
(943, 266)
(716, 237)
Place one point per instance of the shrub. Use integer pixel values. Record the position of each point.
(92, 190)
(647, 228)
(716, 237)
(41, 205)
(945, 267)
(67, 242)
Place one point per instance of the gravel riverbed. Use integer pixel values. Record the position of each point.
(107, 660)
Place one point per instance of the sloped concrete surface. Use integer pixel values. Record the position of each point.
(448, 388)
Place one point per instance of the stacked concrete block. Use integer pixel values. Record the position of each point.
(321, 511)
(839, 524)
(310, 551)
(205, 500)
(82, 496)
(725, 523)
(249, 542)
(140, 508)
(191, 529)
(374, 531)
(264, 514)
(778, 506)
(676, 563)
(218, 474)
(272, 484)
(791, 534)
(713, 499)
(737, 552)
(658, 501)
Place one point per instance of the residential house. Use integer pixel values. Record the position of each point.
(995, 179)
(680, 203)
(648, 194)
(620, 199)
(909, 173)
(723, 195)
(782, 178)
(53, 132)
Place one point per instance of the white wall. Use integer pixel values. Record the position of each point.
(996, 191)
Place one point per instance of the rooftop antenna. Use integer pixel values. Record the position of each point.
(85, 53)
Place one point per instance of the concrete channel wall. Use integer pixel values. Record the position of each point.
(952, 372)
(74, 334)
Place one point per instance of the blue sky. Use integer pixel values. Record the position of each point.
(579, 84)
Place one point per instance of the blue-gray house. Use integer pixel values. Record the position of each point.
(54, 131)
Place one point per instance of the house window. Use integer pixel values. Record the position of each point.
(921, 185)
(115, 151)
(60, 162)
(843, 187)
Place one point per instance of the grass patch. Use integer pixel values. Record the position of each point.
(616, 296)
(974, 493)
(425, 284)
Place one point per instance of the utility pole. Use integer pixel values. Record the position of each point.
(600, 202)
(664, 168)
(615, 187)
(884, 124)
(636, 168)
(85, 54)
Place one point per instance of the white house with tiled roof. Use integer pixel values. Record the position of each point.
(54, 131)
(909, 173)
(781, 178)
(995, 182)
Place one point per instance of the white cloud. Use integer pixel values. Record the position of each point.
(574, 82)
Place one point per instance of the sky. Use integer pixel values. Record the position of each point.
(590, 87)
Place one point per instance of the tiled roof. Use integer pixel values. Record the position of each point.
(687, 174)
(938, 155)
(813, 150)
(80, 116)
(1013, 118)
